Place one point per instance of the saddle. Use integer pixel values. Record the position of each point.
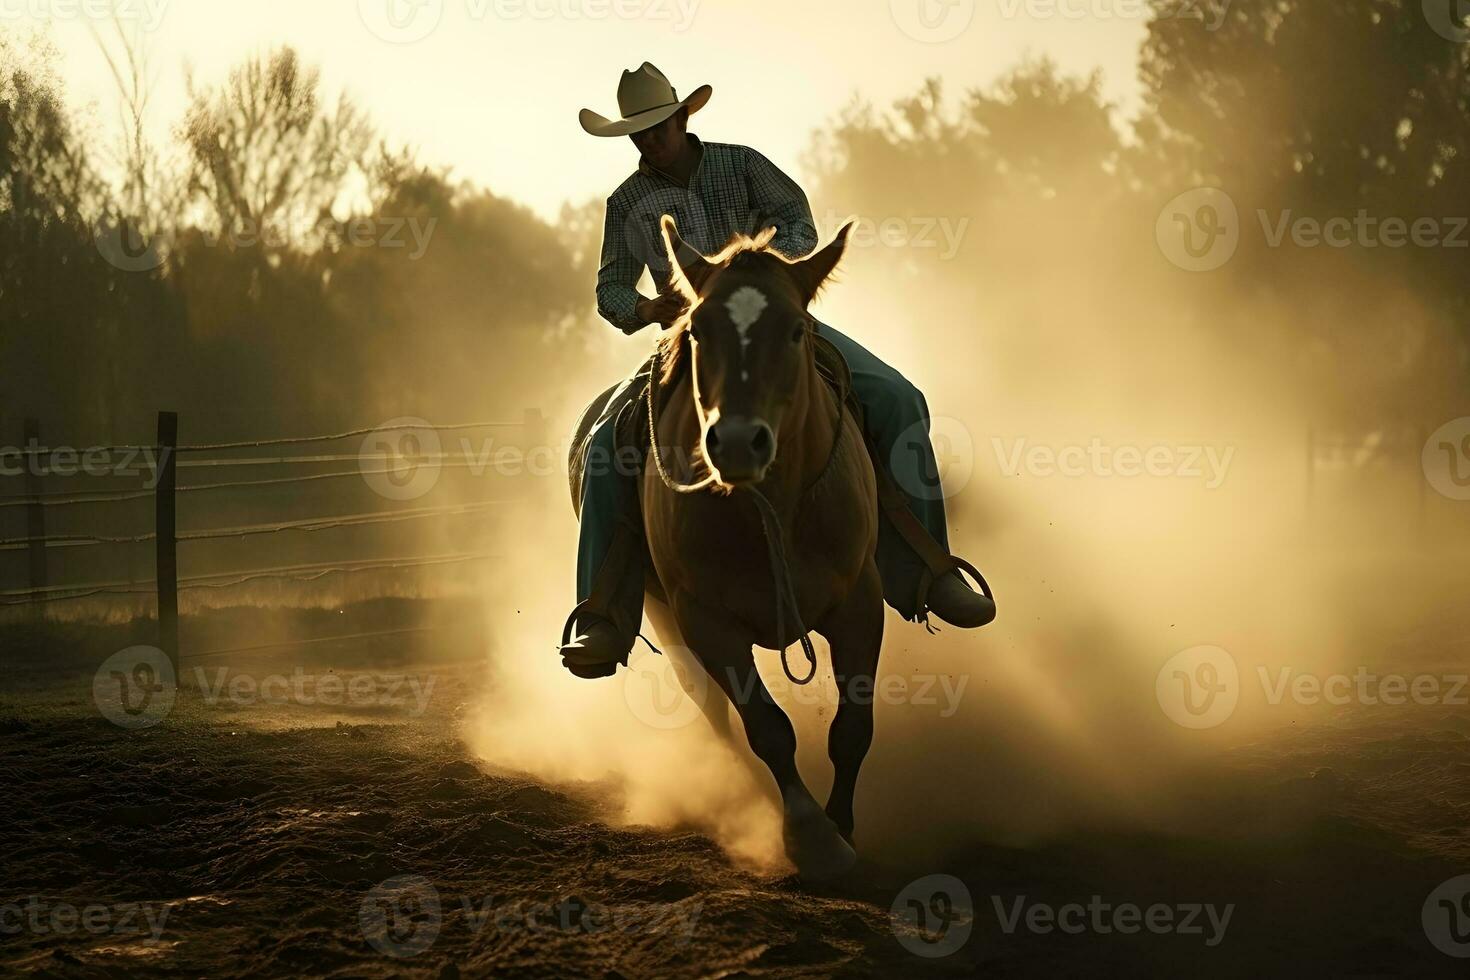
(625, 407)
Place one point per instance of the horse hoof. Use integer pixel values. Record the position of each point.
(814, 845)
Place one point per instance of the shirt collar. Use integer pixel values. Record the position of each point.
(648, 170)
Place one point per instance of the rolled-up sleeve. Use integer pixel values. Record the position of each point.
(618, 274)
(780, 201)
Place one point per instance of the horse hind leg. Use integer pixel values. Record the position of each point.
(811, 838)
(855, 633)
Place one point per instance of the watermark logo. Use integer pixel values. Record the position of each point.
(1208, 464)
(1199, 231)
(401, 21)
(933, 916)
(97, 461)
(1210, 14)
(410, 21)
(401, 917)
(576, 916)
(932, 21)
(124, 245)
(664, 692)
(135, 688)
(42, 918)
(1446, 459)
(1199, 687)
(401, 459)
(146, 14)
(933, 461)
(1103, 918)
(366, 690)
(941, 235)
(1446, 917)
(1449, 18)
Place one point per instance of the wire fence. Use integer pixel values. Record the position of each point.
(161, 487)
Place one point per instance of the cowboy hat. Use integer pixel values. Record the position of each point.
(645, 98)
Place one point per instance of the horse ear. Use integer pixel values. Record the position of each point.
(814, 270)
(691, 265)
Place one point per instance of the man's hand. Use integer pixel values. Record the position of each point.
(663, 309)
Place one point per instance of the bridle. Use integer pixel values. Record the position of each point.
(770, 520)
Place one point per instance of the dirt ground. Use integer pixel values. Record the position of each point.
(362, 839)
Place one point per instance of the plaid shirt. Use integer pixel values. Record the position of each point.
(733, 190)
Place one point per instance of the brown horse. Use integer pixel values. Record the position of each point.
(740, 393)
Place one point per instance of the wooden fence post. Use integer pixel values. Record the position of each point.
(35, 513)
(167, 562)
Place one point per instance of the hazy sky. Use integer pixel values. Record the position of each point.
(492, 87)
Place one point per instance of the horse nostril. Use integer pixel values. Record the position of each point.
(761, 441)
(712, 439)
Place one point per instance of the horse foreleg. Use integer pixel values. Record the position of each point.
(854, 630)
(688, 668)
(812, 841)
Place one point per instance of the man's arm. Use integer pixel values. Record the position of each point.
(778, 200)
(617, 276)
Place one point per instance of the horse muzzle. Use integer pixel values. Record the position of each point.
(740, 448)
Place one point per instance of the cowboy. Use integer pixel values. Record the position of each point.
(715, 191)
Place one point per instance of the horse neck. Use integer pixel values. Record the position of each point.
(805, 443)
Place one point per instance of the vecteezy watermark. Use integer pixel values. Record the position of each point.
(665, 691)
(1446, 917)
(1446, 459)
(932, 21)
(1201, 687)
(933, 459)
(98, 461)
(135, 688)
(1449, 18)
(1201, 230)
(671, 690)
(362, 690)
(1101, 918)
(1210, 13)
(146, 14)
(410, 21)
(128, 248)
(1206, 463)
(403, 458)
(401, 917)
(678, 921)
(1363, 230)
(1363, 687)
(942, 235)
(43, 918)
(933, 916)
(413, 455)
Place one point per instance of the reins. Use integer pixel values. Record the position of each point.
(770, 520)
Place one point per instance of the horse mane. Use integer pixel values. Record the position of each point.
(741, 252)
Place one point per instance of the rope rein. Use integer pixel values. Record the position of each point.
(770, 523)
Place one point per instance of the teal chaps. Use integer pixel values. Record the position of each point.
(897, 423)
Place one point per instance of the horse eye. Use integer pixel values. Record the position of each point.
(799, 332)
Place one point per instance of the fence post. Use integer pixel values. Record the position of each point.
(166, 563)
(35, 513)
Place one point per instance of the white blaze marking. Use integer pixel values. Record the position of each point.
(745, 306)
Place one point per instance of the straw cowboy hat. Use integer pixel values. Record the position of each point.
(645, 98)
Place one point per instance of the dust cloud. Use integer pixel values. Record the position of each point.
(1137, 475)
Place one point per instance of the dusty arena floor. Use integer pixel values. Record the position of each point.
(261, 840)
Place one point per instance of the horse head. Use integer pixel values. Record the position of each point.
(746, 331)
